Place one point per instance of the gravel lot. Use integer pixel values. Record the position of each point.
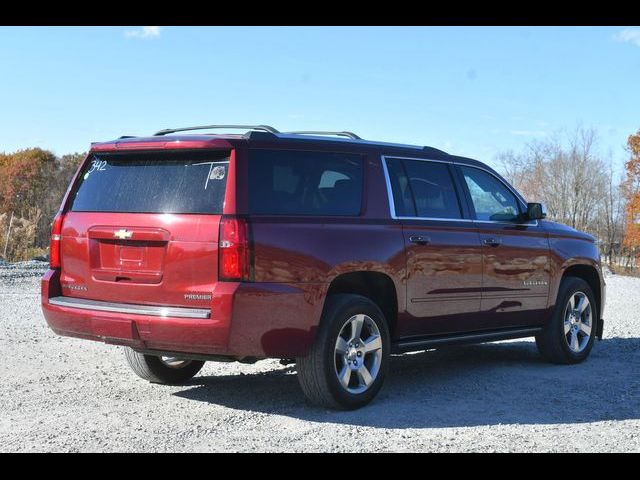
(62, 394)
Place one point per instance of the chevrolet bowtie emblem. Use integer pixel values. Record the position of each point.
(122, 234)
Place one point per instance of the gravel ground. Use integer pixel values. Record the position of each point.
(63, 394)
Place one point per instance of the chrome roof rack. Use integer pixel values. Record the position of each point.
(261, 128)
(266, 131)
(351, 135)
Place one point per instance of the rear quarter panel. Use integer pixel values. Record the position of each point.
(297, 257)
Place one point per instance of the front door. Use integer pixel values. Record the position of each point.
(443, 250)
(515, 257)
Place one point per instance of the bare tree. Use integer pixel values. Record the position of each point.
(612, 216)
(568, 173)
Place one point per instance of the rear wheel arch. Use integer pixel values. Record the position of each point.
(376, 286)
(326, 374)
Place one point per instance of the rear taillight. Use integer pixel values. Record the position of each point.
(233, 250)
(56, 235)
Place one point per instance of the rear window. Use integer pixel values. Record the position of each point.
(158, 182)
(287, 182)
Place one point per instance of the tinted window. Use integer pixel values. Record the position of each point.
(433, 190)
(491, 198)
(286, 182)
(402, 197)
(423, 189)
(159, 182)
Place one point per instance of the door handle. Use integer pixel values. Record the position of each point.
(492, 242)
(419, 239)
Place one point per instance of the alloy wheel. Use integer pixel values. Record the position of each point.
(358, 354)
(578, 316)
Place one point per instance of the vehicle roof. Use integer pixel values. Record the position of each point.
(267, 139)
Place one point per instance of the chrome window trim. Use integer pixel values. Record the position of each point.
(387, 179)
(530, 224)
(152, 310)
(437, 219)
(392, 205)
(392, 208)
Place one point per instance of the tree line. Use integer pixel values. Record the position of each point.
(32, 184)
(580, 187)
(567, 172)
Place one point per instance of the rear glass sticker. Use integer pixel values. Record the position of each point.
(98, 166)
(217, 173)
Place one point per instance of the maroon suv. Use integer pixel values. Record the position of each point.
(314, 247)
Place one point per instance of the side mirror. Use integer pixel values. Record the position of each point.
(536, 211)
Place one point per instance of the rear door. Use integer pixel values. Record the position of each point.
(142, 227)
(515, 252)
(444, 258)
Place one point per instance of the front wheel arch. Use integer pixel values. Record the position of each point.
(589, 273)
(553, 341)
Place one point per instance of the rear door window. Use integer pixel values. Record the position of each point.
(153, 182)
(423, 189)
(402, 196)
(290, 182)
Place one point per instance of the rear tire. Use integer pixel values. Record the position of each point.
(162, 369)
(569, 335)
(347, 363)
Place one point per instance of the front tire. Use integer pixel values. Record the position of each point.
(347, 363)
(568, 337)
(166, 370)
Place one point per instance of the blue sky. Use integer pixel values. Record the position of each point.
(470, 91)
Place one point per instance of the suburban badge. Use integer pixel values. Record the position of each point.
(74, 286)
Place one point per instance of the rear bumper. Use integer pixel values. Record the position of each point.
(260, 320)
(152, 310)
(140, 326)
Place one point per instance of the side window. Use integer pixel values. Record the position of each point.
(491, 198)
(422, 189)
(329, 179)
(433, 190)
(291, 182)
(402, 197)
(285, 179)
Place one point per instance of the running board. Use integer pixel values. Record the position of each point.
(425, 343)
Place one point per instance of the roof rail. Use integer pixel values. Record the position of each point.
(262, 128)
(339, 134)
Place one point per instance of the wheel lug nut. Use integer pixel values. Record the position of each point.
(359, 354)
